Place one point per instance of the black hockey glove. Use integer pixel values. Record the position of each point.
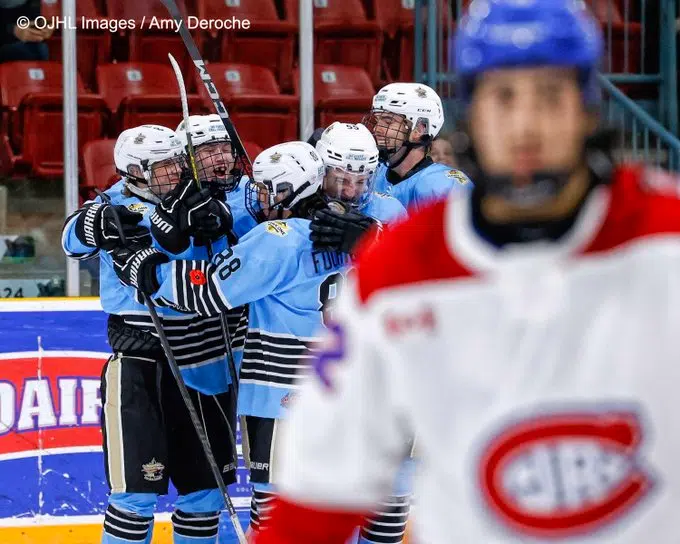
(96, 226)
(215, 220)
(334, 231)
(184, 212)
(136, 266)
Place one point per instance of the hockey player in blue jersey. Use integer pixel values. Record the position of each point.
(405, 118)
(288, 285)
(275, 270)
(148, 436)
(350, 154)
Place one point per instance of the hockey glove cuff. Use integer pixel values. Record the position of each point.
(334, 231)
(96, 226)
(137, 267)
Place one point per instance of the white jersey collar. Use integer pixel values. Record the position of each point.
(477, 254)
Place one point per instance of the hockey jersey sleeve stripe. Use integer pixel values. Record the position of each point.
(293, 523)
(193, 287)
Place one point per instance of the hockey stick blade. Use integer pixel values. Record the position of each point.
(185, 115)
(207, 80)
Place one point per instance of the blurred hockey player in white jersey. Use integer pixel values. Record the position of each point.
(526, 333)
(405, 119)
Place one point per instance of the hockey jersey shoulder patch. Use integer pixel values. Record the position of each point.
(458, 176)
(138, 207)
(278, 228)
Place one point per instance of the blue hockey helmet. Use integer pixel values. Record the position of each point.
(496, 34)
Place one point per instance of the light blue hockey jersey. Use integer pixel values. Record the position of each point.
(384, 208)
(288, 287)
(380, 206)
(197, 342)
(429, 183)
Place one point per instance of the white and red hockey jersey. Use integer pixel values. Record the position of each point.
(542, 382)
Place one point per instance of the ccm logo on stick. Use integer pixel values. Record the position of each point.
(555, 476)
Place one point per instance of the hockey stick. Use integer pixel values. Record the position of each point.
(192, 159)
(236, 142)
(174, 368)
(185, 115)
(195, 54)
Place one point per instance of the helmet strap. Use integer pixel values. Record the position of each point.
(143, 193)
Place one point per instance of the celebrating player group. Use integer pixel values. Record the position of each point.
(509, 329)
(243, 271)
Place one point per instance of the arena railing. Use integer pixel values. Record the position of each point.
(640, 53)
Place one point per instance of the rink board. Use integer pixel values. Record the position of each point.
(51, 464)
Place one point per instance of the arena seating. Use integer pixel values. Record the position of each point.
(31, 99)
(258, 109)
(343, 34)
(374, 36)
(93, 46)
(268, 41)
(342, 93)
(99, 168)
(147, 44)
(141, 92)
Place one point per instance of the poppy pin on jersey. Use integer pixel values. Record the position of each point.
(197, 277)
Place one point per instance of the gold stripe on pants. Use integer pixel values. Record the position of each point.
(114, 425)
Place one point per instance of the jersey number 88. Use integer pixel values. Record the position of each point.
(329, 290)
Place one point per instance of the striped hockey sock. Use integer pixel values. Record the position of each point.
(201, 528)
(387, 525)
(124, 527)
(260, 506)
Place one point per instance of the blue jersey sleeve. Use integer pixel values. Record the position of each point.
(436, 183)
(252, 269)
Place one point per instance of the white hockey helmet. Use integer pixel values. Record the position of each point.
(151, 155)
(283, 175)
(350, 154)
(410, 104)
(204, 128)
(215, 158)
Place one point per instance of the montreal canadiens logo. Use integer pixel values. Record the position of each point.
(557, 476)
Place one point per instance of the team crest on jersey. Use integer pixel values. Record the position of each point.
(458, 176)
(138, 207)
(561, 474)
(153, 470)
(278, 228)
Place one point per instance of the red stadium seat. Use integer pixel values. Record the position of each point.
(342, 93)
(252, 149)
(267, 41)
(146, 42)
(93, 45)
(137, 93)
(99, 167)
(31, 97)
(397, 18)
(343, 34)
(259, 111)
